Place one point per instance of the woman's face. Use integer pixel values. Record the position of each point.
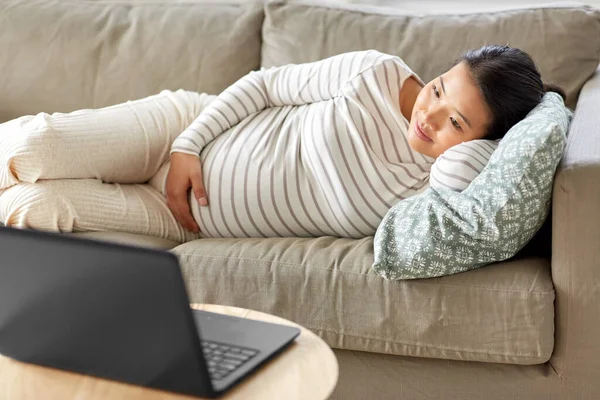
(449, 110)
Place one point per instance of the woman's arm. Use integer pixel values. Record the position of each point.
(456, 168)
(274, 87)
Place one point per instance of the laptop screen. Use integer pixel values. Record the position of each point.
(99, 308)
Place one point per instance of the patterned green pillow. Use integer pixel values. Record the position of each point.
(443, 232)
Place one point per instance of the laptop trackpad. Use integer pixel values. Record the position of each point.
(243, 332)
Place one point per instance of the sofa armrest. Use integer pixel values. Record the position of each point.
(576, 249)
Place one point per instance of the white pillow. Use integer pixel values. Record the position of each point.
(456, 168)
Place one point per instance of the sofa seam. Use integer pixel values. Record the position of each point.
(567, 296)
(134, 3)
(289, 264)
(381, 10)
(421, 346)
(558, 373)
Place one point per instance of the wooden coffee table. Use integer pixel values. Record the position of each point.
(308, 369)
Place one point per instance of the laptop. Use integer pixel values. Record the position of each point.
(121, 312)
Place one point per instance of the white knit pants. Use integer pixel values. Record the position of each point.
(96, 169)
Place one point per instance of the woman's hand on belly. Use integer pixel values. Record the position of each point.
(185, 172)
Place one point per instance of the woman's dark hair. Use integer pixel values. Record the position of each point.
(510, 83)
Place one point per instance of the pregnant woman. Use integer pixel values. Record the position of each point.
(323, 148)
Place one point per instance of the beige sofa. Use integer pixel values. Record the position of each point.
(521, 329)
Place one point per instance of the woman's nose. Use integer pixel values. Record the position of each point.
(434, 116)
(430, 120)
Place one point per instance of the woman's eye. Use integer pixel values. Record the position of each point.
(455, 123)
(437, 94)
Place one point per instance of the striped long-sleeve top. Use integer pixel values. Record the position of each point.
(313, 149)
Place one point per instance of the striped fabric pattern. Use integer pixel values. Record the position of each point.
(460, 164)
(305, 150)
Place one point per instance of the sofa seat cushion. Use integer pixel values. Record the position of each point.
(129, 239)
(501, 313)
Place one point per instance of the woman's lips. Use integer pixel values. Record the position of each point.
(420, 134)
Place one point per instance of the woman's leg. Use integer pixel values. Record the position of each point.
(124, 143)
(80, 205)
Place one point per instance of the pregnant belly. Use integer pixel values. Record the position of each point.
(279, 203)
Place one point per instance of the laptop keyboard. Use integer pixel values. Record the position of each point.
(223, 359)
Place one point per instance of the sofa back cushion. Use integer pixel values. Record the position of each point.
(65, 55)
(564, 41)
